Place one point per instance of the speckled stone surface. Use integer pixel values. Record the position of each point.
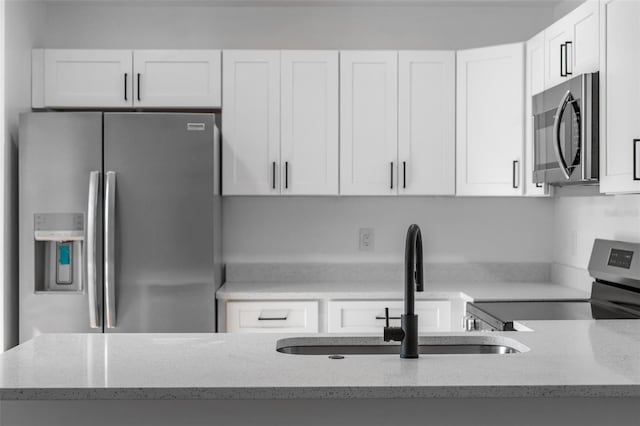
(478, 291)
(385, 272)
(565, 359)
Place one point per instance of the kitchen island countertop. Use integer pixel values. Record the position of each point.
(565, 359)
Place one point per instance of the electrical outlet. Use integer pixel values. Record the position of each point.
(366, 239)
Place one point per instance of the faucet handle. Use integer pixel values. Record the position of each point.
(391, 333)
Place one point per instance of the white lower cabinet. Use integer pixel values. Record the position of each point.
(358, 316)
(272, 317)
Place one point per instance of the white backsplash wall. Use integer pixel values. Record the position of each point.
(580, 220)
(326, 229)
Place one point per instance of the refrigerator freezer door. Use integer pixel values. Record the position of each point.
(57, 154)
(163, 222)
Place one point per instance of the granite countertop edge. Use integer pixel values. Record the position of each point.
(302, 392)
(476, 291)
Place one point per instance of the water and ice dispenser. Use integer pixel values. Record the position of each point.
(59, 240)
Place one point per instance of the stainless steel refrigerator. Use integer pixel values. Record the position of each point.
(119, 222)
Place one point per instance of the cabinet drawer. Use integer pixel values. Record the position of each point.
(368, 316)
(272, 317)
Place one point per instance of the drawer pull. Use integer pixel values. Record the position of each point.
(274, 315)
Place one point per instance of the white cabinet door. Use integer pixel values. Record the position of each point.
(557, 51)
(87, 78)
(309, 142)
(584, 30)
(251, 122)
(534, 84)
(177, 78)
(368, 122)
(490, 120)
(426, 122)
(572, 44)
(620, 97)
(272, 317)
(360, 316)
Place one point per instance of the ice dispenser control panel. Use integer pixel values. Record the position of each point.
(59, 226)
(59, 239)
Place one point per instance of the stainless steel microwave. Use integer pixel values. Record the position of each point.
(565, 123)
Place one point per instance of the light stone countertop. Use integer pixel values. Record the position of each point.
(565, 359)
(478, 291)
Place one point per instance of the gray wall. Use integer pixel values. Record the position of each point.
(165, 25)
(24, 25)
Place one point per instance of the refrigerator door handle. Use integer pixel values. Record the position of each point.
(92, 274)
(109, 249)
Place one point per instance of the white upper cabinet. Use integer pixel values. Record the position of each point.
(557, 49)
(619, 97)
(177, 78)
(572, 45)
(368, 122)
(490, 114)
(251, 122)
(426, 123)
(83, 78)
(534, 79)
(124, 78)
(309, 144)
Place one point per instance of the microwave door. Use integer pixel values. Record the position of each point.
(568, 132)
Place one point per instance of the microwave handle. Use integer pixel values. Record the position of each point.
(566, 99)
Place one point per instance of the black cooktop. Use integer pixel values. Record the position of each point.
(556, 310)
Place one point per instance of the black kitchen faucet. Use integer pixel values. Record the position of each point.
(407, 333)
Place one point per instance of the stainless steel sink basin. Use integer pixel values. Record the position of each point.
(428, 345)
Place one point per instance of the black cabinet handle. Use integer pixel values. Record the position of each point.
(125, 86)
(404, 174)
(513, 176)
(261, 318)
(273, 175)
(391, 174)
(566, 57)
(636, 142)
(380, 317)
(563, 56)
(538, 185)
(139, 87)
(286, 175)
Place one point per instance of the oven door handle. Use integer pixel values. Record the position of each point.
(566, 100)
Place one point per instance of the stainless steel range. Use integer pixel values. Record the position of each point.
(615, 294)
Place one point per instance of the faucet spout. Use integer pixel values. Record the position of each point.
(413, 270)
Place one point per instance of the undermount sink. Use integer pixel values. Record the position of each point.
(427, 345)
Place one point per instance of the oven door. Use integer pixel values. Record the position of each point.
(558, 124)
